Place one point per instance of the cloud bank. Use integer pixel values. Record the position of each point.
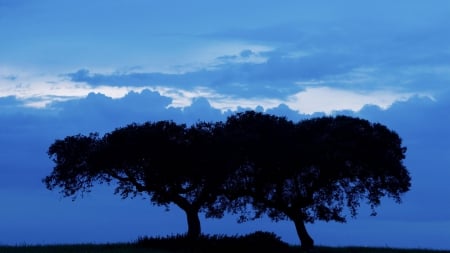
(27, 132)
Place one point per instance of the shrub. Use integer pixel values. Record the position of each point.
(254, 242)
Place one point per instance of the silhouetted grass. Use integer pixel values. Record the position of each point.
(258, 242)
(78, 248)
(255, 242)
(324, 249)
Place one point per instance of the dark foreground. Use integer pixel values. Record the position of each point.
(256, 242)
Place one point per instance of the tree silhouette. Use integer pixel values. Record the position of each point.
(317, 169)
(169, 162)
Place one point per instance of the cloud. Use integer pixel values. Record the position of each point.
(225, 93)
(397, 52)
(232, 86)
(285, 71)
(26, 134)
(274, 64)
(330, 99)
(38, 91)
(309, 81)
(245, 56)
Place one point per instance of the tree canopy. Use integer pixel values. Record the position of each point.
(315, 169)
(169, 162)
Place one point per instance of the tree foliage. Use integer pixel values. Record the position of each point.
(315, 169)
(72, 173)
(168, 162)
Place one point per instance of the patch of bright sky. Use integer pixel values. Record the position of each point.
(330, 99)
(309, 101)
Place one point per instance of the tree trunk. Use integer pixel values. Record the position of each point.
(306, 241)
(194, 229)
(191, 210)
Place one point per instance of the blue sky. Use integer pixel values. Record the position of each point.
(69, 67)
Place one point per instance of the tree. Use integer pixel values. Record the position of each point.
(317, 169)
(169, 162)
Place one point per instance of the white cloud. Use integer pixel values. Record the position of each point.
(326, 99)
(230, 103)
(309, 101)
(40, 90)
(182, 97)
